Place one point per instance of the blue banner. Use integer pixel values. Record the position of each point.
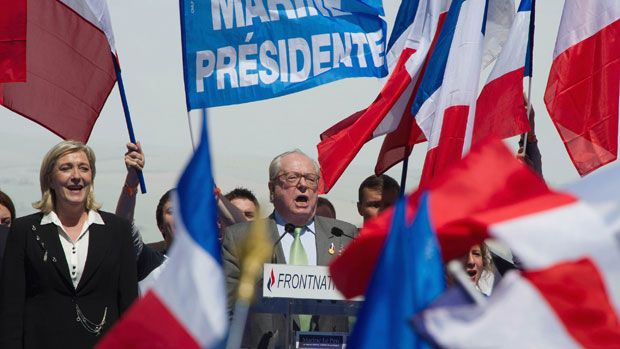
(238, 51)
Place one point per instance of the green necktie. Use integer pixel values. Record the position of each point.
(298, 256)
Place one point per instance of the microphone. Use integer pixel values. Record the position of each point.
(338, 233)
(288, 229)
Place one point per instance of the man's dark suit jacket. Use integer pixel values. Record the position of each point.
(37, 298)
(267, 330)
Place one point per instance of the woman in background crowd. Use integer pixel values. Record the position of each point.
(7, 210)
(479, 267)
(7, 215)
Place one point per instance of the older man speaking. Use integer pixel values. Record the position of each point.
(304, 239)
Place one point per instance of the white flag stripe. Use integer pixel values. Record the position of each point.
(193, 279)
(563, 234)
(392, 118)
(500, 17)
(501, 321)
(513, 53)
(582, 19)
(602, 198)
(96, 12)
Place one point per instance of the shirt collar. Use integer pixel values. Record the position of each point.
(281, 223)
(93, 218)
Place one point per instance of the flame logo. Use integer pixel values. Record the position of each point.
(271, 281)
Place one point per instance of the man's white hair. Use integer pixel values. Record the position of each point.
(275, 165)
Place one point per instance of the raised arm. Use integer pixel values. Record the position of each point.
(531, 155)
(134, 161)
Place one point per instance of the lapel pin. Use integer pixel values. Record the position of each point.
(54, 259)
(332, 248)
(45, 256)
(34, 228)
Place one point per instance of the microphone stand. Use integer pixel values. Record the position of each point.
(288, 229)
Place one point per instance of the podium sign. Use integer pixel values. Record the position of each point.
(321, 340)
(299, 282)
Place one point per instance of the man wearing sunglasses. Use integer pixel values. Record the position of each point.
(302, 239)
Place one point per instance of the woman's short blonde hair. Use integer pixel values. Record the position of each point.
(48, 198)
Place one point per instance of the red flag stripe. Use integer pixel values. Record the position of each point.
(499, 108)
(12, 41)
(70, 72)
(582, 98)
(161, 331)
(584, 308)
(450, 145)
(337, 151)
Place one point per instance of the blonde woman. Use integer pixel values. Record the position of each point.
(479, 267)
(69, 270)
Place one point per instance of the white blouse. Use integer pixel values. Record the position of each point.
(75, 251)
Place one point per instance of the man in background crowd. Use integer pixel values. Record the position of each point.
(375, 194)
(245, 201)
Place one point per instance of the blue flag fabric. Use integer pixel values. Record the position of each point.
(195, 193)
(408, 277)
(238, 51)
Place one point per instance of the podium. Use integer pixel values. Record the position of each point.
(291, 290)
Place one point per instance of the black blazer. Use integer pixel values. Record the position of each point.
(4, 233)
(37, 298)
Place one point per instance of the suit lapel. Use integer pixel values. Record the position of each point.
(275, 235)
(98, 247)
(47, 239)
(323, 240)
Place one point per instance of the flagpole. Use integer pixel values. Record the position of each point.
(403, 176)
(529, 110)
(530, 66)
(191, 132)
(132, 137)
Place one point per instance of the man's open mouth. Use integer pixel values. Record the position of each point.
(301, 199)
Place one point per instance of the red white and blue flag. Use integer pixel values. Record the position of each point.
(414, 31)
(569, 294)
(584, 83)
(445, 104)
(186, 308)
(499, 109)
(398, 144)
(408, 277)
(488, 177)
(69, 71)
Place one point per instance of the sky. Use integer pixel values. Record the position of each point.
(243, 138)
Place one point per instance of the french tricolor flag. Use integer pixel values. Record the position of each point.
(499, 109)
(569, 294)
(488, 178)
(186, 308)
(583, 88)
(445, 104)
(413, 35)
(69, 67)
